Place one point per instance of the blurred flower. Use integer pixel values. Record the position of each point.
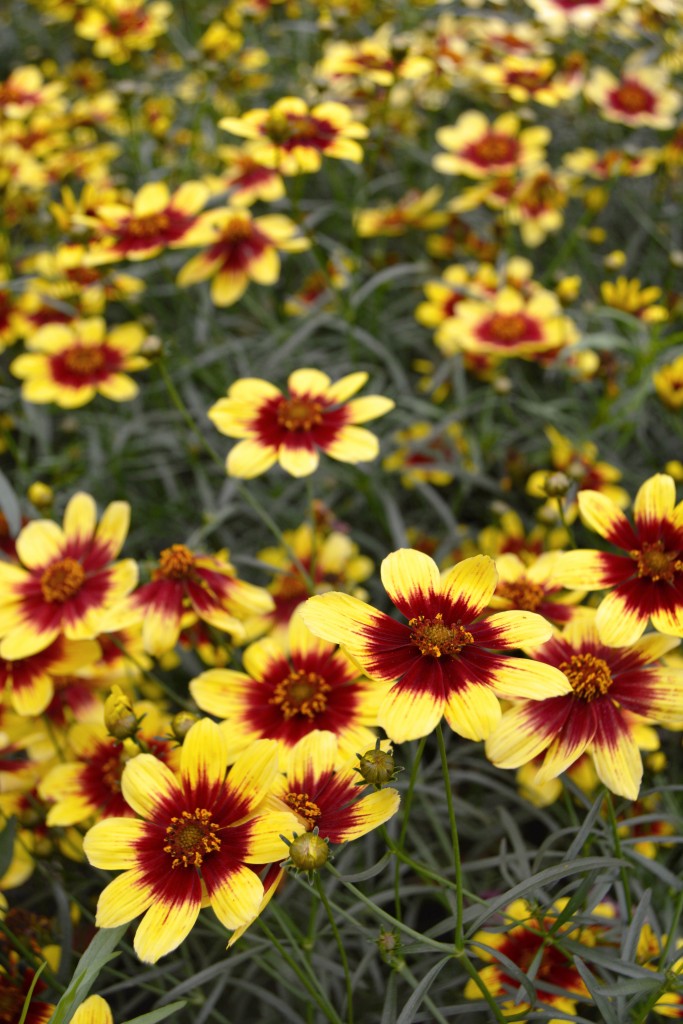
(30, 682)
(445, 660)
(413, 210)
(428, 453)
(291, 430)
(118, 28)
(478, 148)
(532, 588)
(668, 382)
(639, 97)
(627, 295)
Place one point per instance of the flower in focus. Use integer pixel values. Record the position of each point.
(446, 660)
(648, 578)
(668, 382)
(199, 820)
(316, 415)
(477, 148)
(183, 580)
(325, 797)
(66, 579)
(293, 138)
(69, 364)
(606, 682)
(238, 249)
(285, 697)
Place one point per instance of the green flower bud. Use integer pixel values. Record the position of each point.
(182, 723)
(119, 716)
(309, 852)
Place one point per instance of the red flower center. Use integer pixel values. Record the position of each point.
(656, 563)
(62, 580)
(83, 361)
(176, 562)
(590, 677)
(301, 693)
(522, 594)
(111, 771)
(494, 149)
(435, 638)
(632, 98)
(299, 414)
(508, 327)
(148, 227)
(190, 837)
(303, 806)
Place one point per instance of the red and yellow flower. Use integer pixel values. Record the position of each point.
(291, 430)
(30, 681)
(238, 248)
(478, 148)
(640, 97)
(606, 684)
(445, 660)
(248, 178)
(285, 696)
(533, 588)
(293, 138)
(66, 579)
(69, 364)
(668, 382)
(648, 578)
(200, 832)
(120, 28)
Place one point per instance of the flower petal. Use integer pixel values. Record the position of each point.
(146, 783)
(124, 899)
(412, 581)
(472, 711)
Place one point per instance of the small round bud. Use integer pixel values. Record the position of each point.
(39, 494)
(119, 716)
(182, 723)
(502, 385)
(557, 485)
(309, 852)
(377, 767)
(152, 347)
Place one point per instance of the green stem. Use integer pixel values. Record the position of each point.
(407, 804)
(623, 872)
(481, 985)
(328, 1010)
(268, 521)
(459, 934)
(187, 416)
(565, 524)
(340, 947)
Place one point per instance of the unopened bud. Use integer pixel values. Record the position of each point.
(119, 716)
(502, 385)
(377, 767)
(152, 347)
(39, 494)
(557, 485)
(309, 851)
(182, 723)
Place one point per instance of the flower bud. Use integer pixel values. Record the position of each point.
(377, 767)
(309, 852)
(40, 494)
(556, 485)
(119, 716)
(182, 723)
(152, 347)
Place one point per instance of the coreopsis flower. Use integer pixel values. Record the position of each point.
(426, 453)
(30, 681)
(65, 273)
(69, 364)
(628, 296)
(640, 97)
(326, 797)
(316, 415)
(613, 163)
(285, 694)
(531, 936)
(238, 248)
(90, 784)
(66, 578)
(93, 1010)
(248, 178)
(478, 148)
(561, 16)
(332, 561)
(532, 587)
(293, 138)
(17, 985)
(154, 219)
(510, 535)
(445, 660)
(526, 77)
(119, 28)
(413, 210)
(508, 325)
(199, 820)
(668, 382)
(182, 581)
(648, 578)
(536, 205)
(605, 684)
(25, 90)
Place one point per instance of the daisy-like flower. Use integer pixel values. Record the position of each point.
(290, 430)
(413, 210)
(30, 681)
(532, 587)
(590, 718)
(525, 941)
(66, 579)
(445, 660)
(248, 178)
(668, 382)
(640, 97)
(199, 834)
(183, 580)
(648, 578)
(478, 148)
(238, 248)
(69, 364)
(537, 203)
(613, 163)
(327, 799)
(426, 453)
(284, 696)
(293, 138)
(152, 221)
(90, 785)
(120, 28)
(628, 295)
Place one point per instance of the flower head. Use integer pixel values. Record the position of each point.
(315, 415)
(477, 148)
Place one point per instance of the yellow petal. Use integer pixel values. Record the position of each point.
(123, 900)
(165, 925)
(252, 774)
(655, 500)
(369, 408)
(523, 677)
(113, 526)
(408, 714)
(298, 462)
(353, 444)
(472, 711)
(236, 899)
(204, 755)
(145, 782)
(110, 843)
(471, 584)
(307, 382)
(411, 579)
(619, 623)
(40, 543)
(339, 618)
(249, 459)
(313, 757)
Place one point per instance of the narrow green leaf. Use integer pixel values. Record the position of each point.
(89, 967)
(29, 994)
(156, 1015)
(9, 503)
(410, 1008)
(7, 844)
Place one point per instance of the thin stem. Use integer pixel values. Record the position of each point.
(481, 985)
(328, 1010)
(340, 947)
(459, 934)
(187, 416)
(268, 521)
(623, 872)
(407, 804)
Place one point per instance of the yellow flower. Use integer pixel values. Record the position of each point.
(477, 148)
(627, 295)
(118, 28)
(668, 382)
(640, 97)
